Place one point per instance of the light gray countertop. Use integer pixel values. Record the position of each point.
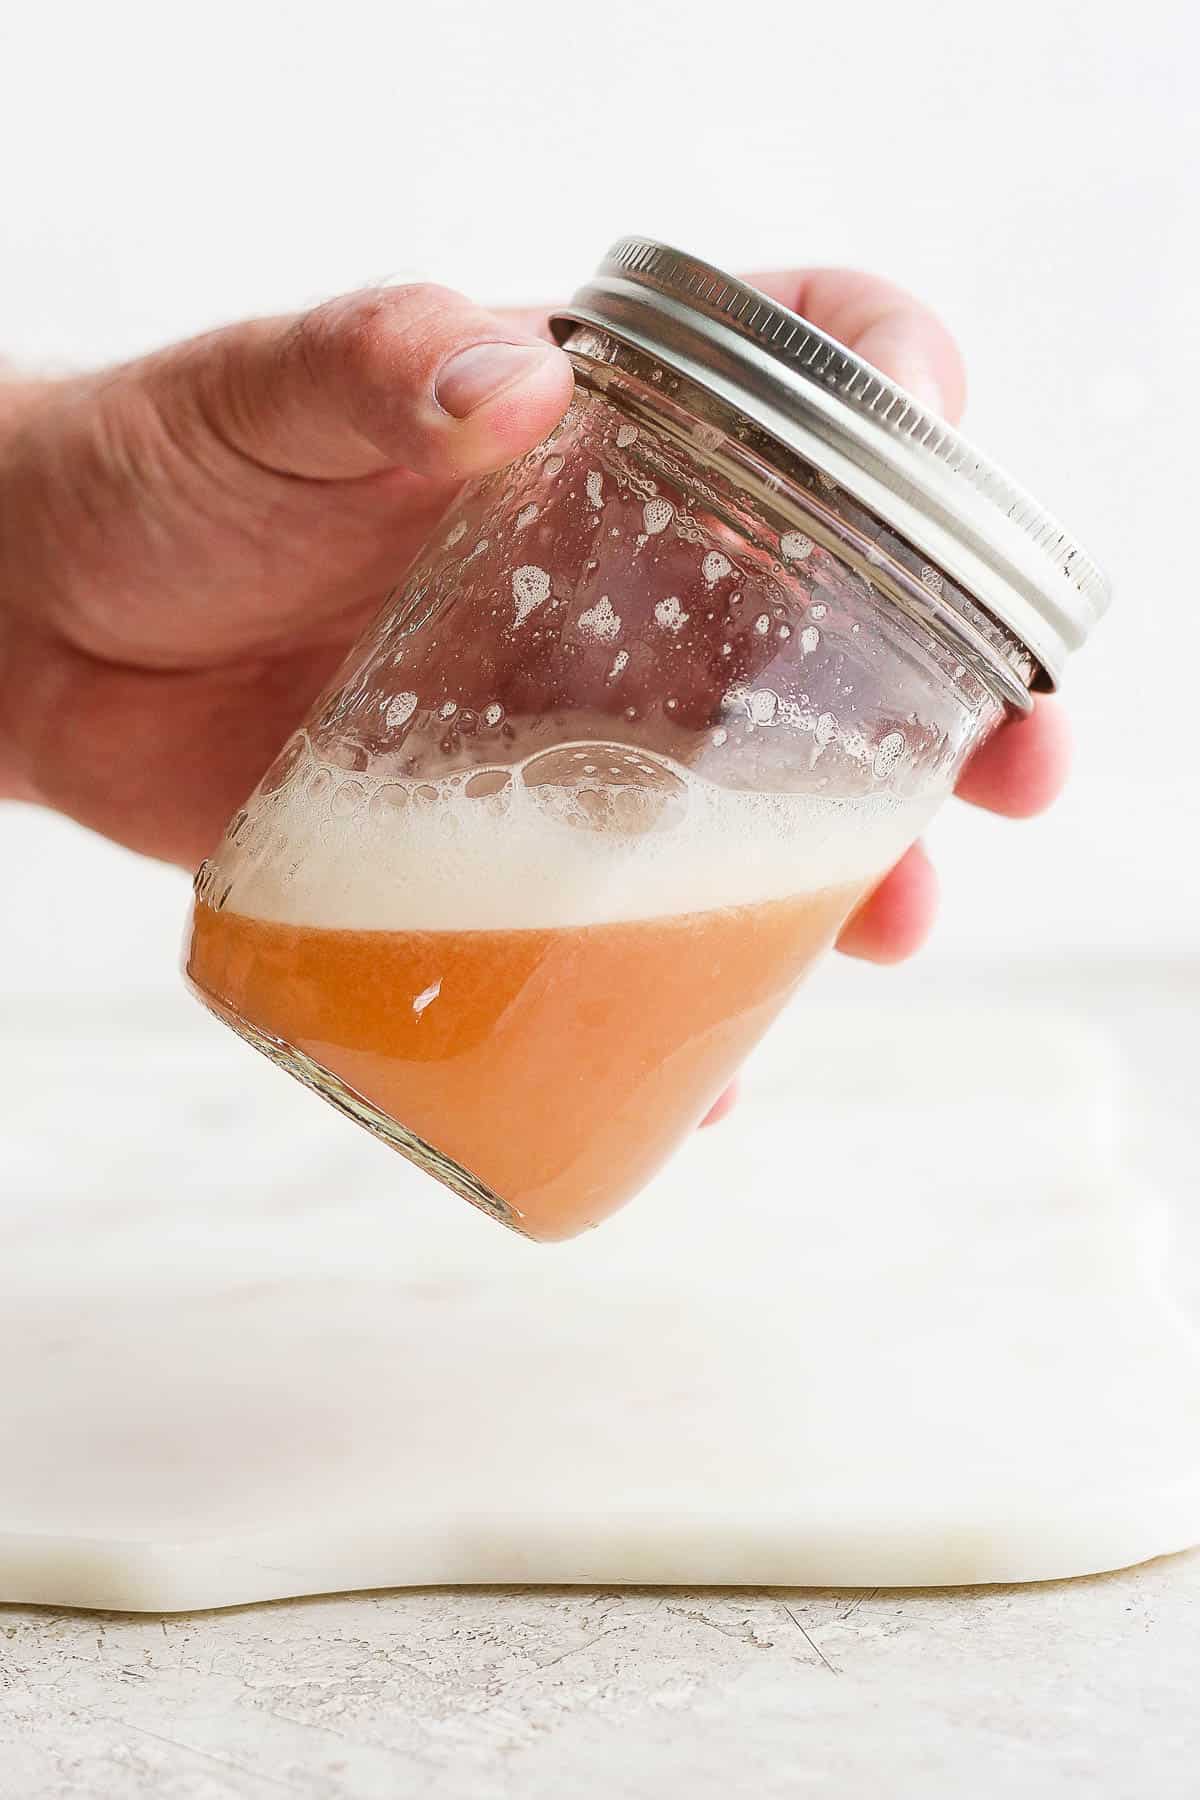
(1062, 1689)
(475, 1694)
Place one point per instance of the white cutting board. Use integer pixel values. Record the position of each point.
(901, 1320)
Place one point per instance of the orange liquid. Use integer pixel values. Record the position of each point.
(559, 1067)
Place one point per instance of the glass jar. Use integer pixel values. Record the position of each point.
(650, 716)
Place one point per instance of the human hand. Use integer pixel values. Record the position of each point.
(188, 544)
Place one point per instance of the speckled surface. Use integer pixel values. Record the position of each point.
(1071, 1688)
(1067, 1689)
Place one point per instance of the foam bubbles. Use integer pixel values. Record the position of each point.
(530, 588)
(580, 834)
(795, 547)
(400, 711)
(890, 750)
(347, 798)
(762, 706)
(595, 487)
(670, 615)
(601, 622)
(657, 515)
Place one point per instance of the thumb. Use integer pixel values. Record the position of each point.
(410, 377)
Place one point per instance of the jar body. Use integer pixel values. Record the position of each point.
(640, 729)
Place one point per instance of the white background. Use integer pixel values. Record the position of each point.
(1031, 169)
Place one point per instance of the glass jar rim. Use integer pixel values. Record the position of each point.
(817, 398)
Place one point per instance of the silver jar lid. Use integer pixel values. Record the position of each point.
(870, 437)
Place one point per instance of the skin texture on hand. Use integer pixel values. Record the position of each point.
(190, 542)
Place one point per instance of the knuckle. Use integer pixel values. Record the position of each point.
(414, 300)
(313, 343)
(352, 344)
(354, 339)
(423, 316)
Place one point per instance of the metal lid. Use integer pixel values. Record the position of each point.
(868, 435)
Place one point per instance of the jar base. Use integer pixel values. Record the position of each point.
(330, 1087)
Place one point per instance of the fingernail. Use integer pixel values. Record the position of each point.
(477, 375)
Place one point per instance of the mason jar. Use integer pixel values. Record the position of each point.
(647, 720)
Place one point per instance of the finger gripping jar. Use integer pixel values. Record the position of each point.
(654, 710)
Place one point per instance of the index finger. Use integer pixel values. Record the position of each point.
(876, 319)
(881, 323)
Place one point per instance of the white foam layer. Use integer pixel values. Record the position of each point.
(577, 836)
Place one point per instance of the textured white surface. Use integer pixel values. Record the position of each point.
(327, 1432)
(923, 1397)
(477, 1694)
(817, 1351)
